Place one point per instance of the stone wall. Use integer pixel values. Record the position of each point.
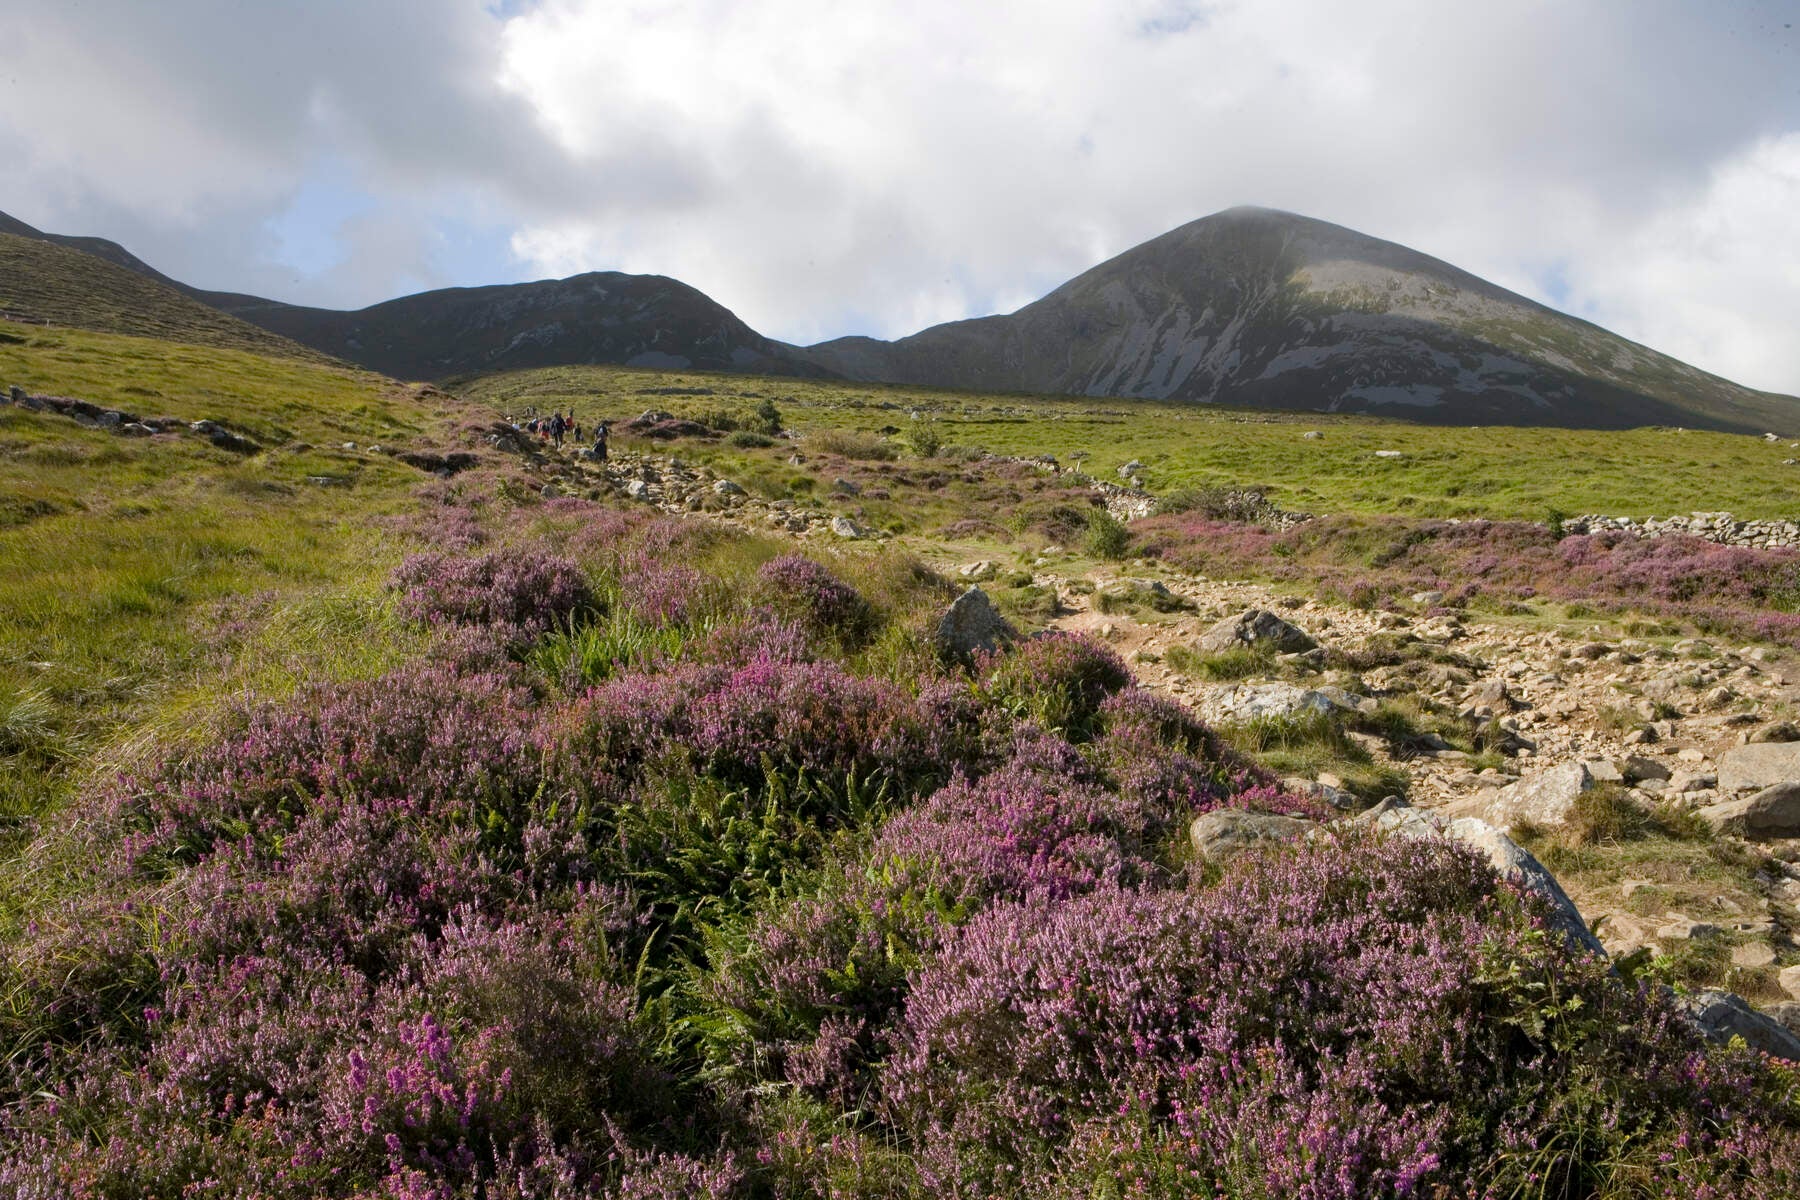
(1720, 527)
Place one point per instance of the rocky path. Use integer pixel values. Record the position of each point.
(1569, 695)
(1654, 718)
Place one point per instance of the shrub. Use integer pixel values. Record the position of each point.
(851, 444)
(1058, 679)
(1337, 1019)
(749, 439)
(805, 591)
(1106, 535)
(520, 589)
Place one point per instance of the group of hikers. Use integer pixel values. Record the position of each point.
(557, 426)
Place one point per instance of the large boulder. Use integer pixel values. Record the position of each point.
(1773, 812)
(1721, 1016)
(1270, 701)
(1759, 765)
(1255, 628)
(1513, 862)
(972, 623)
(1541, 798)
(1226, 832)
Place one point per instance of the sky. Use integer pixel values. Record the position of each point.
(824, 167)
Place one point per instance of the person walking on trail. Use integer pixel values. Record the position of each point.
(600, 442)
(557, 428)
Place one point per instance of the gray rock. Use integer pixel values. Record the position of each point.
(847, 487)
(1720, 1016)
(844, 527)
(1131, 468)
(1637, 769)
(1492, 694)
(1258, 628)
(637, 489)
(1519, 866)
(1771, 813)
(1759, 765)
(1543, 797)
(973, 623)
(1789, 979)
(1226, 832)
(1684, 783)
(1270, 701)
(17, 393)
(724, 487)
(1787, 1013)
(1780, 731)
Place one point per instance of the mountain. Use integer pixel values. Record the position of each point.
(44, 280)
(1249, 306)
(601, 317)
(1257, 307)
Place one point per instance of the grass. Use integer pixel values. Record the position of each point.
(44, 282)
(1500, 472)
(143, 581)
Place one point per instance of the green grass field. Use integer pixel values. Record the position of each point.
(142, 580)
(1492, 471)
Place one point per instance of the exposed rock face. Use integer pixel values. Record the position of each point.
(1226, 832)
(1773, 812)
(1760, 765)
(972, 623)
(1256, 628)
(1721, 1016)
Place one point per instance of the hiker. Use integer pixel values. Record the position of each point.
(558, 427)
(600, 442)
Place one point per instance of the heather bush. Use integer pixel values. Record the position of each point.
(423, 738)
(806, 592)
(738, 722)
(1059, 680)
(1341, 1019)
(520, 589)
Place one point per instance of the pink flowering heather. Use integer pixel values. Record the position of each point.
(522, 589)
(1338, 1020)
(804, 590)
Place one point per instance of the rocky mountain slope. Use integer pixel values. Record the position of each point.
(44, 281)
(1257, 307)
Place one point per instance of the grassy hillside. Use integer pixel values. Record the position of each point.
(1499, 472)
(44, 282)
(143, 578)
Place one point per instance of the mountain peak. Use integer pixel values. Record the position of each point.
(1264, 307)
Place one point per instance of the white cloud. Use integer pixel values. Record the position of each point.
(1713, 280)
